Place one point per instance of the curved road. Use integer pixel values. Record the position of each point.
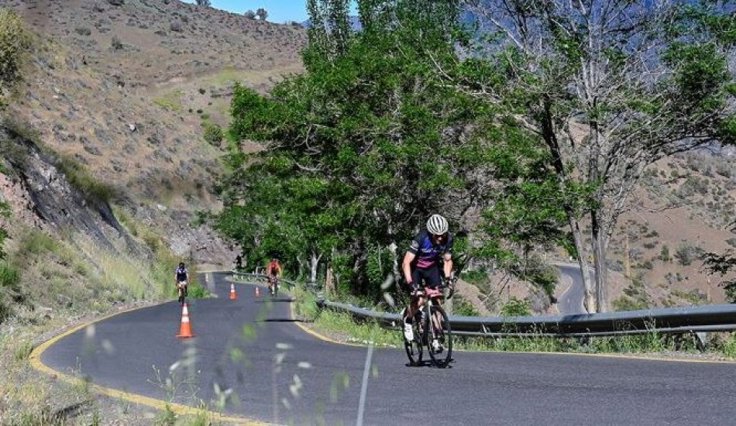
(571, 301)
(278, 373)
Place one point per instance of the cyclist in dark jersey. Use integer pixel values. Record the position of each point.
(429, 251)
(181, 277)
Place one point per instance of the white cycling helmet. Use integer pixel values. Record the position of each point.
(437, 225)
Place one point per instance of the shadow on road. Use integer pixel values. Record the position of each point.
(281, 320)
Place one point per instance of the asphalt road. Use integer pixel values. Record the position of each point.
(277, 373)
(571, 301)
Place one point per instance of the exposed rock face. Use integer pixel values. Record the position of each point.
(41, 196)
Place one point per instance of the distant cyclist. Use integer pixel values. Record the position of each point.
(181, 277)
(273, 271)
(428, 261)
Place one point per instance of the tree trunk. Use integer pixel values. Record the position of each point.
(395, 266)
(313, 265)
(589, 300)
(300, 261)
(329, 282)
(599, 258)
(550, 137)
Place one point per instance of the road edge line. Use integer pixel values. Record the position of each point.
(34, 360)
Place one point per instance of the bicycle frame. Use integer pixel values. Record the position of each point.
(430, 324)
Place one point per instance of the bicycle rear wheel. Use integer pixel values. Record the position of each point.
(414, 349)
(438, 330)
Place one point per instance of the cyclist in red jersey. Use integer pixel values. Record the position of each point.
(273, 271)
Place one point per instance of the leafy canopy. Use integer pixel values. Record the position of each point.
(364, 146)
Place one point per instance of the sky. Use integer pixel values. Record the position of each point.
(279, 11)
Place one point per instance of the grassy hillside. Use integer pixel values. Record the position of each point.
(112, 111)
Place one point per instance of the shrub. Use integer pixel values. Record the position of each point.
(9, 277)
(516, 308)
(116, 43)
(116, 2)
(196, 291)
(464, 308)
(14, 42)
(664, 254)
(625, 303)
(213, 134)
(176, 26)
(35, 243)
(647, 264)
(685, 254)
(249, 14)
(9, 290)
(205, 3)
(91, 189)
(83, 31)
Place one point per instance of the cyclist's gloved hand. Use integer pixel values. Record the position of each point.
(414, 287)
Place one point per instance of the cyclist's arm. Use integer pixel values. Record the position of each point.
(406, 265)
(447, 264)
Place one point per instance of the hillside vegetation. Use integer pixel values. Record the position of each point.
(110, 147)
(515, 140)
(117, 130)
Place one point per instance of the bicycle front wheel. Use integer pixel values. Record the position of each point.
(413, 348)
(438, 336)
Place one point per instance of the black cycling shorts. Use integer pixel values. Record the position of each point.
(429, 277)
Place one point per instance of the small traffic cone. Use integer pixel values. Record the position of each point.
(258, 291)
(186, 327)
(233, 294)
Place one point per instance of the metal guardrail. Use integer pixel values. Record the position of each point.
(692, 319)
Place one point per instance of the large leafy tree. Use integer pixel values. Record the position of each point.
(369, 141)
(608, 87)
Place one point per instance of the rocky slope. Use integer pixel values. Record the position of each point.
(126, 90)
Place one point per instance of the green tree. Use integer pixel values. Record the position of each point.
(723, 265)
(368, 142)
(262, 14)
(14, 42)
(608, 87)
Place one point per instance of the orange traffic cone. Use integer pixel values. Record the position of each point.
(258, 291)
(186, 327)
(233, 294)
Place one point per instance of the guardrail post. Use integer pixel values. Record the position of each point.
(701, 340)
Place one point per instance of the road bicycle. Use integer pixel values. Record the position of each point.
(273, 285)
(181, 289)
(431, 328)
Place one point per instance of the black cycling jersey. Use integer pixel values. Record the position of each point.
(181, 274)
